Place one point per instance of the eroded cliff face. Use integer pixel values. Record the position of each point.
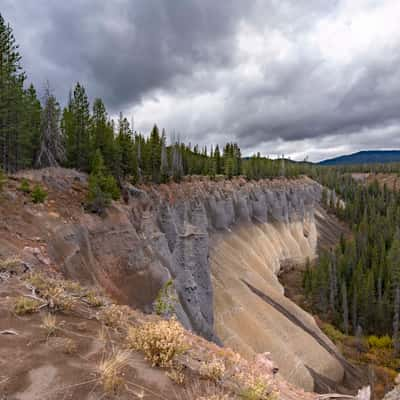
(221, 242)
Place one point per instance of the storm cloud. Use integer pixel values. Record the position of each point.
(301, 78)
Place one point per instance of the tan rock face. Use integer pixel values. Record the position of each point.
(249, 257)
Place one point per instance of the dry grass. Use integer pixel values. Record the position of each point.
(103, 334)
(70, 347)
(253, 386)
(213, 370)
(59, 299)
(10, 264)
(160, 341)
(111, 371)
(176, 375)
(207, 391)
(49, 324)
(24, 305)
(40, 282)
(59, 293)
(114, 316)
(93, 300)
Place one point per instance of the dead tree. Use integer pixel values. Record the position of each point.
(51, 152)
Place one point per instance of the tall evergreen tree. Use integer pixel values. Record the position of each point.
(12, 80)
(31, 127)
(102, 134)
(155, 154)
(76, 126)
(164, 165)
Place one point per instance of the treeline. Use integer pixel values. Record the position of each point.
(357, 284)
(36, 134)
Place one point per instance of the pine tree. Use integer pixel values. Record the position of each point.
(218, 161)
(11, 100)
(126, 153)
(31, 127)
(155, 154)
(345, 308)
(76, 126)
(164, 167)
(102, 134)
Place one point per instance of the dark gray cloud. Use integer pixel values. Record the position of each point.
(123, 49)
(301, 77)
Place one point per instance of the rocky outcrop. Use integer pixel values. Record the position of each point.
(222, 243)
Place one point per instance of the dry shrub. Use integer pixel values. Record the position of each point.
(93, 300)
(253, 386)
(70, 347)
(72, 286)
(25, 305)
(110, 371)
(176, 375)
(213, 370)
(10, 264)
(56, 292)
(40, 282)
(59, 299)
(114, 316)
(160, 341)
(49, 324)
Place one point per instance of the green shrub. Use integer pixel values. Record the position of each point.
(3, 179)
(24, 305)
(38, 194)
(383, 342)
(102, 187)
(334, 334)
(166, 300)
(24, 186)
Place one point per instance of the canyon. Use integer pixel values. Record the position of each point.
(222, 243)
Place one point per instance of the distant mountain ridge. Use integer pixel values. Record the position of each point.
(365, 157)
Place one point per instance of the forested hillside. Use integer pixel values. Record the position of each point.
(365, 157)
(358, 283)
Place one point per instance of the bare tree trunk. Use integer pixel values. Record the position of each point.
(345, 309)
(354, 312)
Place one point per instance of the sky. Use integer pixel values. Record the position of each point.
(304, 78)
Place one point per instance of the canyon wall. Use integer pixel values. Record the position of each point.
(221, 242)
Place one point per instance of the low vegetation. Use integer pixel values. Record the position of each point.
(24, 186)
(114, 316)
(70, 347)
(166, 300)
(177, 375)
(38, 194)
(254, 387)
(3, 179)
(110, 371)
(93, 300)
(102, 187)
(25, 305)
(10, 264)
(213, 370)
(49, 324)
(160, 341)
